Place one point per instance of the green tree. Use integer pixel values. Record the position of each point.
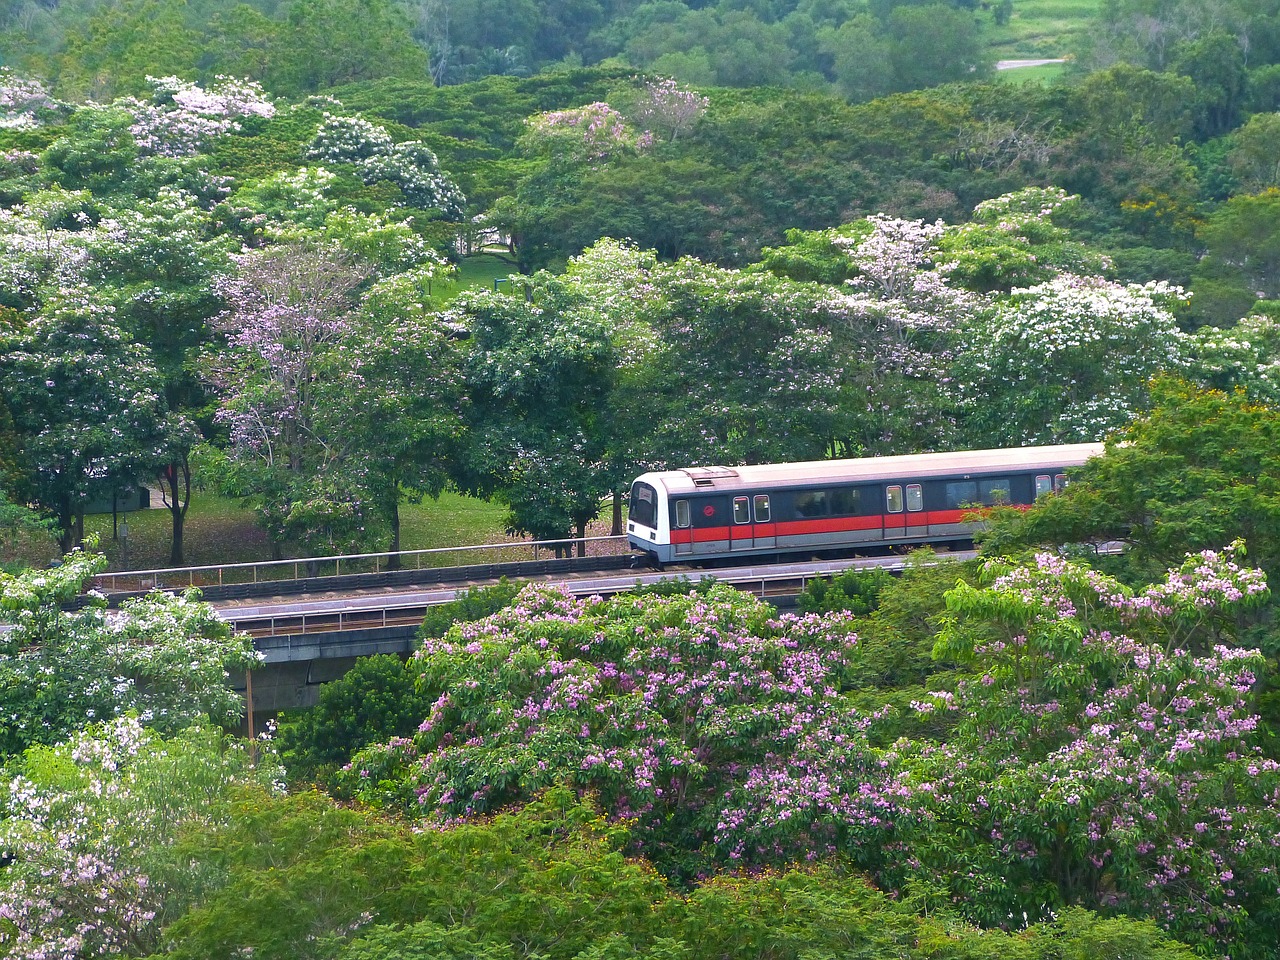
(397, 388)
(87, 403)
(1242, 239)
(934, 44)
(540, 370)
(124, 44)
(861, 58)
(1254, 155)
(1195, 472)
(328, 42)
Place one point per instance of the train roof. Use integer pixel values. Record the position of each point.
(960, 463)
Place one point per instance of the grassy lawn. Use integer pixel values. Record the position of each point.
(1041, 75)
(1042, 28)
(219, 531)
(476, 271)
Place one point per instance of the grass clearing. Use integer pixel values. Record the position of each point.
(1045, 75)
(1042, 28)
(479, 270)
(222, 531)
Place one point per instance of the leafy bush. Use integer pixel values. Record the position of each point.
(375, 700)
(855, 591)
(472, 604)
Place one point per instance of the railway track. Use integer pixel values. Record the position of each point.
(373, 610)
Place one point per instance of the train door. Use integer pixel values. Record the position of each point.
(916, 523)
(740, 534)
(895, 519)
(682, 529)
(762, 518)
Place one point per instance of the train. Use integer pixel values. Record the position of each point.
(830, 506)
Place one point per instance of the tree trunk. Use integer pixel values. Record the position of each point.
(177, 503)
(66, 526)
(616, 530)
(393, 562)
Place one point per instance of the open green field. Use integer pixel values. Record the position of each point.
(1042, 75)
(479, 270)
(1042, 28)
(219, 530)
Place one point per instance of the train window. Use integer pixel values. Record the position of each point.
(1059, 481)
(893, 498)
(961, 493)
(741, 510)
(915, 497)
(1044, 484)
(682, 513)
(844, 502)
(811, 504)
(995, 491)
(644, 505)
(762, 508)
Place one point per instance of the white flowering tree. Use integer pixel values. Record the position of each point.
(410, 165)
(87, 403)
(1063, 361)
(163, 658)
(21, 98)
(1245, 356)
(896, 320)
(91, 831)
(43, 244)
(181, 117)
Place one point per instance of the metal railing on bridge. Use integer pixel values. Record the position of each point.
(309, 568)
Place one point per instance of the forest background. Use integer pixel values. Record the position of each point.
(228, 237)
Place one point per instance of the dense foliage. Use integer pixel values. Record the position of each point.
(806, 278)
(1098, 747)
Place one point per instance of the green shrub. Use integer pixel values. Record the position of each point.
(374, 701)
(473, 604)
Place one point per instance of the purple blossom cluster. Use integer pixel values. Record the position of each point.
(1103, 749)
(669, 108)
(658, 704)
(181, 117)
(591, 133)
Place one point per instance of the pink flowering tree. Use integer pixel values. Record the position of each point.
(669, 109)
(658, 705)
(590, 134)
(1101, 747)
(180, 117)
(290, 308)
(1106, 752)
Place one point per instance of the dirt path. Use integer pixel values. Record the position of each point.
(1014, 64)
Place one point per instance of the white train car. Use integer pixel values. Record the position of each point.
(703, 513)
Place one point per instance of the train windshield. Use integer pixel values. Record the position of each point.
(644, 505)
